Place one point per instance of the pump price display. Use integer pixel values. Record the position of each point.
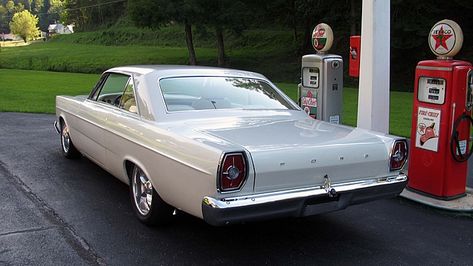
(431, 90)
(310, 77)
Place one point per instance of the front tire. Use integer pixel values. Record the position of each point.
(67, 147)
(148, 206)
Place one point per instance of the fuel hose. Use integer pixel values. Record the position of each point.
(455, 142)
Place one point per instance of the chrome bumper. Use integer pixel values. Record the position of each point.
(299, 202)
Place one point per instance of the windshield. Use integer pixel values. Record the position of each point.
(200, 93)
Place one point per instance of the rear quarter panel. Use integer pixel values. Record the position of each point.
(182, 170)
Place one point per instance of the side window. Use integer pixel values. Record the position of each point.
(128, 101)
(95, 91)
(112, 89)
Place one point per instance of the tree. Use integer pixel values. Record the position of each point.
(25, 24)
(3, 19)
(88, 15)
(56, 11)
(224, 15)
(155, 13)
(10, 5)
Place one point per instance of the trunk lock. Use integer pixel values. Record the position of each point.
(328, 187)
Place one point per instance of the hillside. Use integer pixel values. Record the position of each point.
(267, 51)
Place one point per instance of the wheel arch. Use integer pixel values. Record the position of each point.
(128, 164)
(61, 120)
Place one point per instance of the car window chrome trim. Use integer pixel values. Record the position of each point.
(98, 85)
(114, 108)
(107, 74)
(131, 80)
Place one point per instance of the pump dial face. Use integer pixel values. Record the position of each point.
(322, 37)
(446, 38)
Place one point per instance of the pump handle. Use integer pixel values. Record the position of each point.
(455, 141)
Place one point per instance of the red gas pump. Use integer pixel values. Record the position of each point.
(441, 118)
(354, 58)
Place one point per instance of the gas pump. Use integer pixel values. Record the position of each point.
(320, 91)
(441, 118)
(354, 58)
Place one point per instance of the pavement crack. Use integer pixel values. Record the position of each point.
(79, 244)
(29, 230)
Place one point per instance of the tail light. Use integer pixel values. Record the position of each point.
(398, 155)
(232, 172)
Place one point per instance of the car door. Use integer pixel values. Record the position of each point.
(97, 108)
(124, 123)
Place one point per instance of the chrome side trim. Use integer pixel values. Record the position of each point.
(139, 144)
(263, 198)
(435, 68)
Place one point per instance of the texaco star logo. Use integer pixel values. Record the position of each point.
(441, 38)
(445, 39)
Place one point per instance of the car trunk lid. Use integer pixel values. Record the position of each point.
(290, 153)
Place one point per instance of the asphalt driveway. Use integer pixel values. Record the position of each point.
(59, 211)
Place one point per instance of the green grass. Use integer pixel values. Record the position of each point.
(35, 91)
(90, 58)
(266, 51)
(173, 35)
(400, 108)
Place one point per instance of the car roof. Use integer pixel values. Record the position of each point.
(183, 70)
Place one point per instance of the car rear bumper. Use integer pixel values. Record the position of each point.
(300, 202)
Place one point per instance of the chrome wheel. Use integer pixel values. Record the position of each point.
(65, 139)
(142, 191)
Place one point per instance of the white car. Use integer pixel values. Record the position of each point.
(223, 145)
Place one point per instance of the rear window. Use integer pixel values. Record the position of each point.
(201, 93)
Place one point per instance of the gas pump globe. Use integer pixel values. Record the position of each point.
(320, 90)
(441, 118)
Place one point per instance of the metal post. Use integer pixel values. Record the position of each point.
(373, 94)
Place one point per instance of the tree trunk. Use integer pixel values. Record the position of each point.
(190, 43)
(307, 44)
(294, 20)
(220, 46)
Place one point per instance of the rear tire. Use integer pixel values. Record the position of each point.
(148, 206)
(68, 149)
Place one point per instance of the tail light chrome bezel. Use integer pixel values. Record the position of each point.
(220, 172)
(393, 153)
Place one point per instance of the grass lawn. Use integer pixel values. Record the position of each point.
(400, 105)
(69, 57)
(34, 91)
(90, 58)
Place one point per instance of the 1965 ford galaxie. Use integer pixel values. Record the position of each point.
(223, 145)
